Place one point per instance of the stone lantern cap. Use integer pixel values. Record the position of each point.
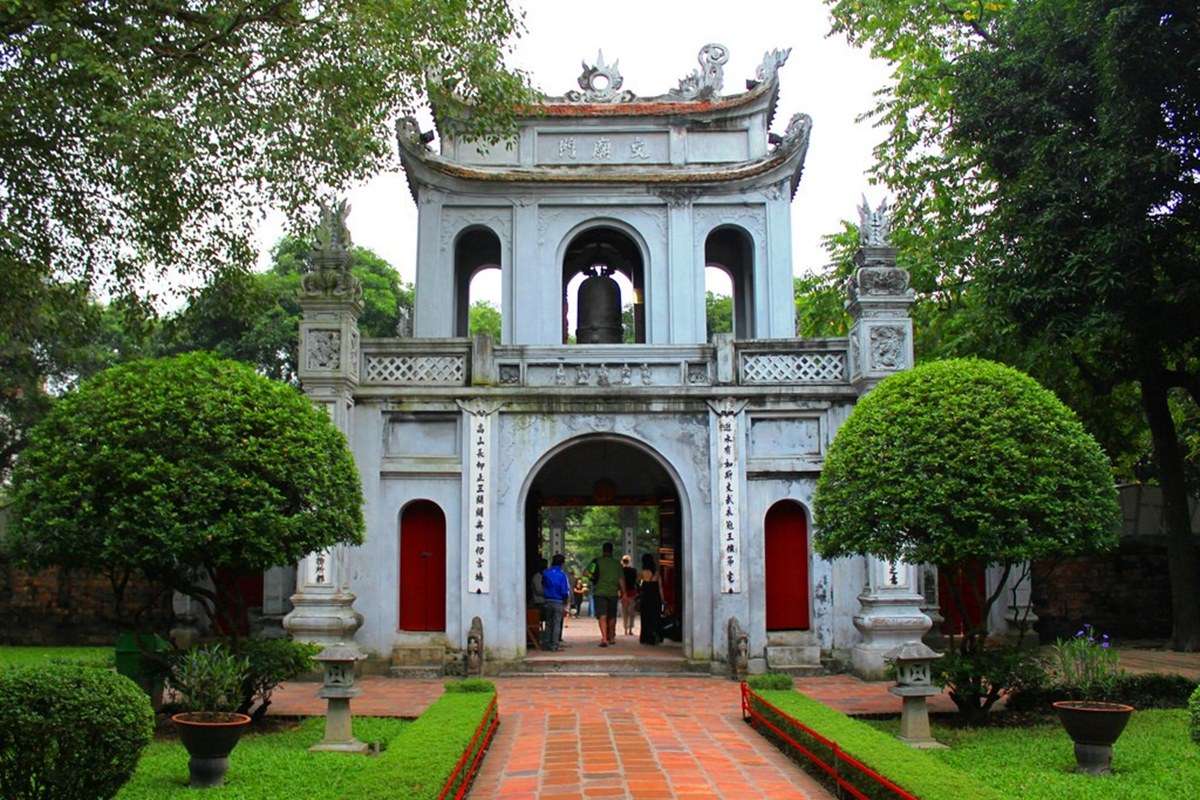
(339, 653)
(912, 651)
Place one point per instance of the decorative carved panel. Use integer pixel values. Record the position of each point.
(794, 367)
(324, 350)
(449, 370)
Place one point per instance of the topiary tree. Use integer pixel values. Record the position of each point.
(176, 468)
(963, 461)
(69, 732)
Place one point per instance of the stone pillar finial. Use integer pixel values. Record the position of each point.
(878, 301)
(330, 304)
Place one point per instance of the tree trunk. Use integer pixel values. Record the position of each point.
(1176, 521)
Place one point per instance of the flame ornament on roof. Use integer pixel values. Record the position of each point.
(874, 227)
(772, 61)
(601, 83)
(705, 82)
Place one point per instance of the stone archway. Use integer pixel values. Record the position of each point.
(612, 471)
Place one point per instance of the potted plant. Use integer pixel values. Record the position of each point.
(1087, 667)
(208, 682)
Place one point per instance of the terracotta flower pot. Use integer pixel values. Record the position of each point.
(209, 737)
(1093, 726)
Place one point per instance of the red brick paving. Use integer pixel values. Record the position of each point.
(632, 737)
(381, 697)
(851, 695)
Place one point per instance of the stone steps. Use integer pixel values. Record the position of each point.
(605, 665)
(800, 660)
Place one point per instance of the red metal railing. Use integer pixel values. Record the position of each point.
(838, 766)
(472, 756)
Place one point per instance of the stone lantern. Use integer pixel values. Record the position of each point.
(338, 688)
(913, 661)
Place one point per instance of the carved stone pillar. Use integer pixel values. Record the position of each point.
(878, 301)
(932, 606)
(558, 530)
(629, 521)
(330, 303)
(890, 615)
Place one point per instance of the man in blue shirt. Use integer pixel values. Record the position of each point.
(557, 591)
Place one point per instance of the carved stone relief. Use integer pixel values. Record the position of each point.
(600, 83)
(324, 350)
(455, 219)
(887, 347)
(706, 81)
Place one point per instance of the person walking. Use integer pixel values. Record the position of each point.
(577, 596)
(557, 591)
(651, 602)
(629, 582)
(537, 596)
(606, 588)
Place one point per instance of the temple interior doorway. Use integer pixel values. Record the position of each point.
(604, 490)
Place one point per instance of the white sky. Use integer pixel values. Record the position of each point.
(656, 42)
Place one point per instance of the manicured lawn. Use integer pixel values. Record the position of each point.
(265, 766)
(1153, 759)
(14, 656)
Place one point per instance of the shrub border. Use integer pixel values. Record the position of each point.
(750, 713)
(867, 764)
(459, 781)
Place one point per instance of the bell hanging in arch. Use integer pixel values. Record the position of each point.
(599, 304)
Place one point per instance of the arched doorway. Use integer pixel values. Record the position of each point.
(786, 554)
(422, 567)
(731, 250)
(610, 473)
(476, 250)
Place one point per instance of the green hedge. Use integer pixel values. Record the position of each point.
(1142, 691)
(417, 762)
(1194, 710)
(916, 771)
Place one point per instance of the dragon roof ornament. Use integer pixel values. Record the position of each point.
(601, 82)
(706, 81)
(329, 258)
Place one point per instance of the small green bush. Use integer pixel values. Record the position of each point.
(69, 732)
(1194, 711)
(771, 680)
(975, 681)
(269, 663)
(470, 686)
(209, 679)
(1143, 692)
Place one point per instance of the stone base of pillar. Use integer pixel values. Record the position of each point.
(934, 636)
(886, 622)
(1016, 619)
(323, 618)
(338, 738)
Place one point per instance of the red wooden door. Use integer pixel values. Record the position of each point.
(971, 585)
(423, 568)
(787, 567)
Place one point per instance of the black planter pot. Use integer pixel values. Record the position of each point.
(209, 738)
(1093, 726)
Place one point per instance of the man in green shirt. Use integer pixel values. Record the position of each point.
(609, 583)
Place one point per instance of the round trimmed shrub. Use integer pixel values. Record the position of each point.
(178, 467)
(964, 459)
(69, 732)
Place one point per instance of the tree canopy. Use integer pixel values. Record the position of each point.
(176, 468)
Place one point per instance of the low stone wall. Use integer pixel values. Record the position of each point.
(57, 607)
(1125, 593)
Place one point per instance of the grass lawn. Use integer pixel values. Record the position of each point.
(1153, 759)
(16, 656)
(270, 765)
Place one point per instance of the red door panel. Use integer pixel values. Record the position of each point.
(971, 585)
(423, 568)
(787, 567)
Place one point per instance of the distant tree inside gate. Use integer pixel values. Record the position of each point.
(176, 468)
(962, 461)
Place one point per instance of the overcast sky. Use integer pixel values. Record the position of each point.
(656, 42)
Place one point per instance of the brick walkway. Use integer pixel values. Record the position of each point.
(567, 737)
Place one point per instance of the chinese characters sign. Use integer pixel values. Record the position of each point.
(729, 534)
(479, 454)
(578, 147)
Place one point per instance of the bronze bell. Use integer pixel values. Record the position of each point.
(599, 304)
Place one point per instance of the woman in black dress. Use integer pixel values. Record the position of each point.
(651, 602)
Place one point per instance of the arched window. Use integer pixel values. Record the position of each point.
(718, 302)
(422, 567)
(605, 250)
(476, 280)
(731, 250)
